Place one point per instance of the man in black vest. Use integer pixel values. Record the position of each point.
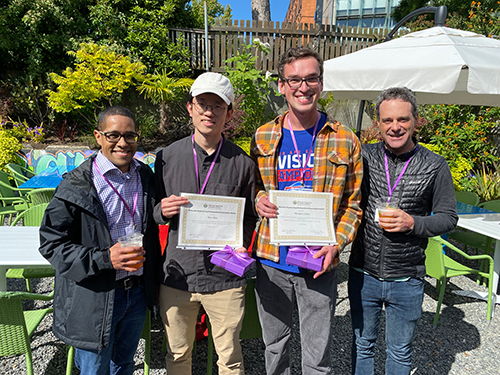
(387, 266)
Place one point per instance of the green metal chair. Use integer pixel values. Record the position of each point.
(32, 217)
(250, 328)
(146, 335)
(40, 196)
(17, 326)
(467, 197)
(491, 205)
(19, 173)
(441, 267)
(12, 200)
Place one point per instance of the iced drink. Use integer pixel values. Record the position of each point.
(132, 240)
(386, 208)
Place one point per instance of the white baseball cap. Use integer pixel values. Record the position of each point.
(213, 83)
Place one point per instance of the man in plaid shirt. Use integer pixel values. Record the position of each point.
(304, 150)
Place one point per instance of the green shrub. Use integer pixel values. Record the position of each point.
(461, 131)
(486, 184)
(459, 166)
(22, 131)
(9, 146)
(244, 143)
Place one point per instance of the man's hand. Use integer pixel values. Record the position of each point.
(330, 253)
(267, 209)
(121, 257)
(171, 205)
(400, 221)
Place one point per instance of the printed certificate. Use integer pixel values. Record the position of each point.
(304, 218)
(210, 222)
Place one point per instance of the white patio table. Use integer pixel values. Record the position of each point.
(19, 249)
(486, 223)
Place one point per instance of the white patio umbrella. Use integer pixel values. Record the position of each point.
(441, 65)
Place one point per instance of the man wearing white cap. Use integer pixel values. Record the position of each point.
(203, 163)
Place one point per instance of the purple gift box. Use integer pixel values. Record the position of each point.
(232, 261)
(303, 257)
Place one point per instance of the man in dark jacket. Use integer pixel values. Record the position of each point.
(102, 290)
(388, 265)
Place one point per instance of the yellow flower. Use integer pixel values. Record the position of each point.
(470, 26)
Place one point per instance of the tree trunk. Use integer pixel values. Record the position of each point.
(164, 117)
(261, 10)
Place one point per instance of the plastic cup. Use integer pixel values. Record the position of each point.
(132, 240)
(386, 207)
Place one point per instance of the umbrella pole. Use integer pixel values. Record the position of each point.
(360, 118)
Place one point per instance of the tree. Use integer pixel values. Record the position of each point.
(37, 33)
(460, 7)
(99, 77)
(261, 10)
(214, 10)
(162, 89)
(406, 7)
(148, 38)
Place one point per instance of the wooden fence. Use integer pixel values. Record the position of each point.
(227, 37)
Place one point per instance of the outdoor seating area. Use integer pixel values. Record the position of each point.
(462, 341)
(445, 300)
(186, 193)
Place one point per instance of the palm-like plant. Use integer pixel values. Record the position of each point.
(487, 184)
(162, 90)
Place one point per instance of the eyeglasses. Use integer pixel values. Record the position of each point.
(216, 109)
(295, 83)
(114, 137)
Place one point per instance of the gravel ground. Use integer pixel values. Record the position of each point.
(464, 342)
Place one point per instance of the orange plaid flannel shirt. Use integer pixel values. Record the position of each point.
(338, 168)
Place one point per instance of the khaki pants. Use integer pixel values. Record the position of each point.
(179, 311)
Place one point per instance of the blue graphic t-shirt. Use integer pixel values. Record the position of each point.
(289, 171)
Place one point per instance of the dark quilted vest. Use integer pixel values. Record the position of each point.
(384, 254)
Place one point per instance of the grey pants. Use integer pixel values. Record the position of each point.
(276, 292)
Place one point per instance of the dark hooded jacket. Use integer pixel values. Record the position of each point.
(75, 239)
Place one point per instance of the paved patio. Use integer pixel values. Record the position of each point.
(463, 342)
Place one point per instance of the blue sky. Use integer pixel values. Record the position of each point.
(242, 9)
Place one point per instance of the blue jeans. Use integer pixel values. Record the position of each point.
(276, 291)
(129, 313)
(403, 307)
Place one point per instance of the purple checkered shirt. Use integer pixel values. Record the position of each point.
(127, 184)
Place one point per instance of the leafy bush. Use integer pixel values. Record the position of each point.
(486, 184)
(244, 143)
(9, 146)
(21, 131)
(459, 166)
(250, 85)
(461, 131)
(147, 123)
(98, 80)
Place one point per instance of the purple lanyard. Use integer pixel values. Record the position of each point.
(391, 190)
(211, 166)
(303, 167)
(131, 212)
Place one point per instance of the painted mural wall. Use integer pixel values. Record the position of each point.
(41, 159)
